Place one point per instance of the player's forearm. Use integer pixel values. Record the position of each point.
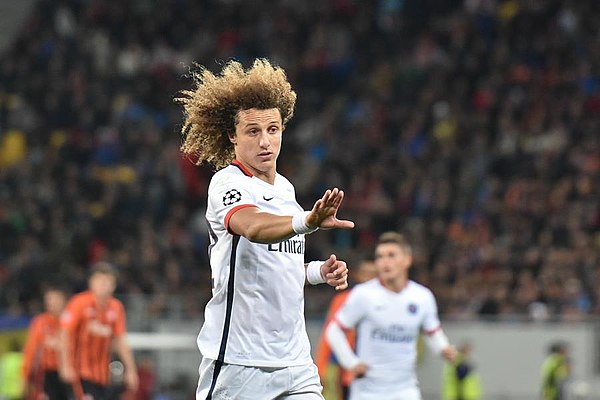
(261, 227)
(125, 354)
(339, 344)
(64, 353)
(439, 344)
(32, 346)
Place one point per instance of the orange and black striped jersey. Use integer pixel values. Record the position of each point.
(41, 347)
(91, 328)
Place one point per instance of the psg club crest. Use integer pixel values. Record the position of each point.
(231, 197)
(412, 308)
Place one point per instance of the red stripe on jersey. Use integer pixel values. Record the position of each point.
(431, 332)
(241, 167)
(233, 211)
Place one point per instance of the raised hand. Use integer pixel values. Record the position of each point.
(324, 213)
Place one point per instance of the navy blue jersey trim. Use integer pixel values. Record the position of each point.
(213, 236)
(213, 383)
(230, 289)
(228, 309)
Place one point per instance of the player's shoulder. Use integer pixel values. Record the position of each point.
(40, 319)
(82, 298)
(367, 287)
(228, 175)
(419, 289)
(76, 307)
(115, 303)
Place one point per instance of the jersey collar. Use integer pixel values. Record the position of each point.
(244, 170)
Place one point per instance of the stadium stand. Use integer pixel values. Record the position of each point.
(470, 125)
(473, 127)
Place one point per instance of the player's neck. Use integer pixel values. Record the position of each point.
(266, 175)
(396, 284)
(101, 300)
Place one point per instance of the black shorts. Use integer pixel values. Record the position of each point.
(95, 390)
(54, 387)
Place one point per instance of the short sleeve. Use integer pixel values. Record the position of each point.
(229, 193)
(353, 310)
(431, 321)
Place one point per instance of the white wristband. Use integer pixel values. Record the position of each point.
(299, 223)
(313, 272)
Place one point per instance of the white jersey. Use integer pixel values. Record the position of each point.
(387, 328)
(256, 314)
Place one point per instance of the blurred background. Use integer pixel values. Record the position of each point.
(473, 126)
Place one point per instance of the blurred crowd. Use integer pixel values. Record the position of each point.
(472, 126)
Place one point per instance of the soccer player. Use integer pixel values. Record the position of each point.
(41, 352)
(92, 322)
(254, 342)
(389, 313)
(324, 359)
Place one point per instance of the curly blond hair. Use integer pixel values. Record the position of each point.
(211, 108)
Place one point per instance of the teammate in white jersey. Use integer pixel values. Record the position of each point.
(388, 312)
(254, 342)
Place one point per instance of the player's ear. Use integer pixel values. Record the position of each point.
(232, 139)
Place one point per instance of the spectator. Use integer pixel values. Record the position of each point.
(336, 380)
(475, 127)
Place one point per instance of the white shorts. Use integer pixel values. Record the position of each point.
(232, 381)
(360, 392)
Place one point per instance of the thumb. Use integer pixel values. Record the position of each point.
(330, 261)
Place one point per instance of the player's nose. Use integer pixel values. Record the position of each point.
(264, 139)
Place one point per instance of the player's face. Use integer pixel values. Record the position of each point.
(103, 285)
(257, 140)
(392, 261)
(54, 301)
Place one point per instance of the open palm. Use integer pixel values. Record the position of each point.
(324, 212)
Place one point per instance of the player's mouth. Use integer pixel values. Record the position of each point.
(265, 156)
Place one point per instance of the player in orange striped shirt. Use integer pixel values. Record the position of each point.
(92, 322)
(40, 365)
